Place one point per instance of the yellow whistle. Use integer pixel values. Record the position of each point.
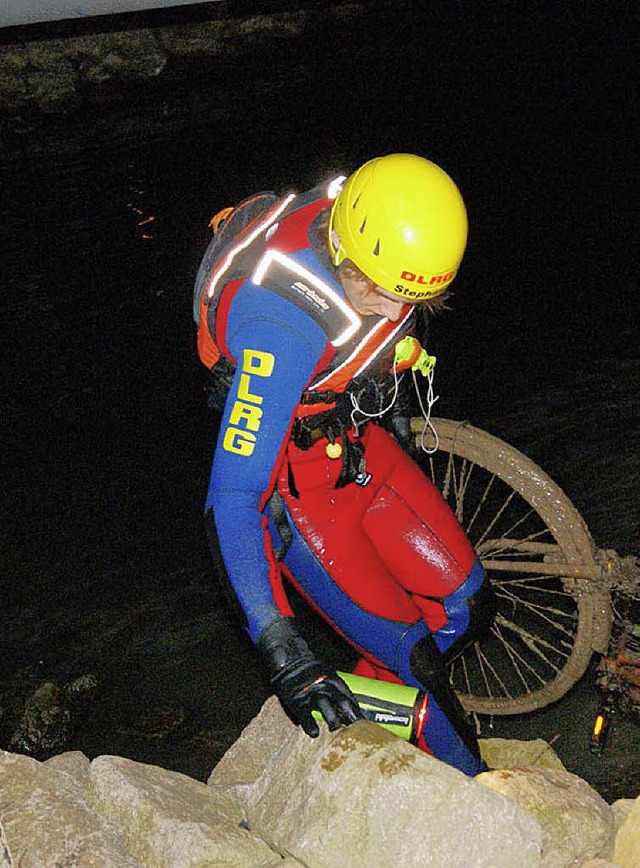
(410, 354)
(333, 450)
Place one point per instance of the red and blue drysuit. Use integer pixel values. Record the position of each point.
(372, 546)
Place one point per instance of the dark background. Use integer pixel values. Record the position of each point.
(530, 107)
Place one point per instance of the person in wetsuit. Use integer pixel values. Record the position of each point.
(302, 302)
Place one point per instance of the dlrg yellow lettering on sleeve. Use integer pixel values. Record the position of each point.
(246, 414)
(244, 419)
(257, 362)
(240, 442)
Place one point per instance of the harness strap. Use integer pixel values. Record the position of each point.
(279, 515)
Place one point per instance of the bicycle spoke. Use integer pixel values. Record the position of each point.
(542, 612)
(532, 583)
(483, 660)
(512, 547)
(509, 532)
(479, 506)
(516, 655)
(432, 472)
(466, 674)
(449, 473)
(483, 673)
(511, 655)
(534, 643)
(459, 486)
(496, 517)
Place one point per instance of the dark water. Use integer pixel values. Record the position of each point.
(108, 438)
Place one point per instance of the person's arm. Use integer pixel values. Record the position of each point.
(276, 358)
(275, 361)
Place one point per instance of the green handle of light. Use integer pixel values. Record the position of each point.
(391, 706)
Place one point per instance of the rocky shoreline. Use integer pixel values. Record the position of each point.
(279, 798)
(62, 88)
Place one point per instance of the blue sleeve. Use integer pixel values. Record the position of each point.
(277, 348)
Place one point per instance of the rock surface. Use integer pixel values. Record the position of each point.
(167, 818)
(48, 819)
(577, 822)
(5, 858)
(626, 851)
(45, 722)
(508, 753)
(363, 785)
(278, 798)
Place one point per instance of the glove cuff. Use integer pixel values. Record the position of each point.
(282, 647)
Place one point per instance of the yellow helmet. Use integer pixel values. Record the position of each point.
(401, 220)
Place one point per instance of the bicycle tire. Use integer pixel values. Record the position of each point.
(553, 537)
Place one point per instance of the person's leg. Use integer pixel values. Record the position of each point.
(393, 546)
(369, 669)
(444, 723)
(393, 650)
(422, 543)
(341, 569)
(420, 540)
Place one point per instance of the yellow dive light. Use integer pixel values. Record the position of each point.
(400, 709)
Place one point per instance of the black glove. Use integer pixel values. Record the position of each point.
(302, 683)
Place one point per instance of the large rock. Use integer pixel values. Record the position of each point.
(101, 56)
(362, 797)
(168, 819)
(260, 744)
(73, 763)
(52, 74)
(577, 821)
(621, 809)
(14, 62)
(5, 857)
(626, 851)
(48, 819)
(221, 38)
(45, 725)
(510, 753)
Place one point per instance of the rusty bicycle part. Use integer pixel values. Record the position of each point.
(553, 586)
(618, 676)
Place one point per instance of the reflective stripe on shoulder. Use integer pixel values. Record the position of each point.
(262, 226)
(308, 290)
(372, 345)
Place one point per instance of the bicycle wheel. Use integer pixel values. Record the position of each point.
(553, 602)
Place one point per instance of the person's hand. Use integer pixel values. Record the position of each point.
(310, 686)
(302, 683)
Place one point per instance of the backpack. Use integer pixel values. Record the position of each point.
(227, 225)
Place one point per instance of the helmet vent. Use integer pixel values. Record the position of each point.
(362, 225)
(376, 249)
(355, 202)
